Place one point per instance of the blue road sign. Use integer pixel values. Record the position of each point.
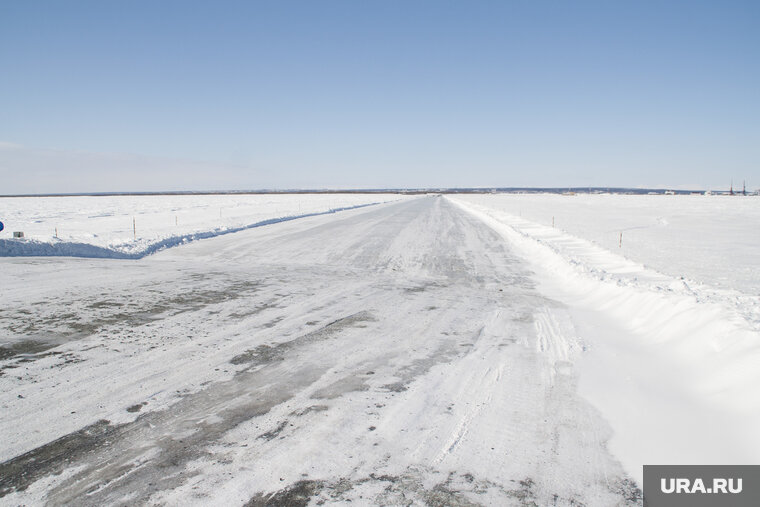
(1, 226)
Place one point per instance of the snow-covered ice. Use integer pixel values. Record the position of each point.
(124, 226)
(436, 350)
(710, 239)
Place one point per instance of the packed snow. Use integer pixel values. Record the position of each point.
(450, 350)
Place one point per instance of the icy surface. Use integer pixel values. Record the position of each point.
(393, 354)
(436, 350)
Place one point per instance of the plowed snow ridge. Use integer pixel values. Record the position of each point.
(690, 357)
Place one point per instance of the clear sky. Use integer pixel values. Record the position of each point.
(170, 95)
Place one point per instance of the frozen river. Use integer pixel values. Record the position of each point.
(385, 354)
(433, 350)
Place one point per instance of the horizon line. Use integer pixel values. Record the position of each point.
(396, 190)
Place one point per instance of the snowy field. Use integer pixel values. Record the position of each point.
(133, 226)
(452, 350)
(707, 239)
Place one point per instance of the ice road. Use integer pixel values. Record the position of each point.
(384, 355)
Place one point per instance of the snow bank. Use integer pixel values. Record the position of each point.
(674, 368)
(131, 227)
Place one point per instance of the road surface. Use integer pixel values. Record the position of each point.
(398, 354)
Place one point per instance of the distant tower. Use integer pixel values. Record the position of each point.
(731, 192)
(744, 188)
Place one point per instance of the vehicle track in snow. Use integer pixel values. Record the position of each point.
(388, 355)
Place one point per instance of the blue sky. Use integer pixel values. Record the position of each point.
(110, 96)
